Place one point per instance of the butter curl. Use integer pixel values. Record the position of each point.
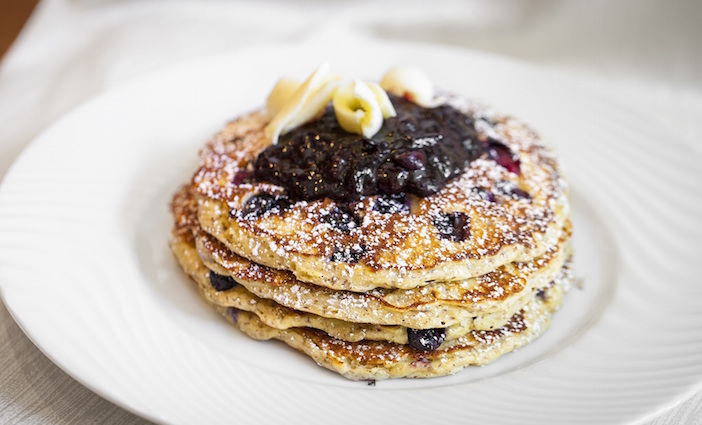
(361, 107)
(290, 109)
(411, 83)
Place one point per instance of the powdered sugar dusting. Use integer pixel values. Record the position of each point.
(481, 249)
(398, 243)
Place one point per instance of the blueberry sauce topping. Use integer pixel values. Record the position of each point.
(454, 226)
(417, 152)
(220, 282)
(263, 202)
(425, 339)
(411, 160)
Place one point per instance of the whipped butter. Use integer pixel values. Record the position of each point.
(283, 90)
(360, 107)
(294, 108)
(411, 83)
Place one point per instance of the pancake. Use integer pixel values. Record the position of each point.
(512, 216)
(377, 360)
(279, 317)
(494, 296)
(488, 300)
(439, 239)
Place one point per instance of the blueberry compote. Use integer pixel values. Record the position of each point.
(417, 152)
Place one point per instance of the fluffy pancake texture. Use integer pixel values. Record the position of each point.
(280, 317)
(363, 351)
(375, 360)
(500, 293)
(352, 297)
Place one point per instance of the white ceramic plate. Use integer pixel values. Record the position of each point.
(86, 272)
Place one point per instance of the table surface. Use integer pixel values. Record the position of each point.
(646, 54)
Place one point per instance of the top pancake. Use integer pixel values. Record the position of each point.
(401, 249)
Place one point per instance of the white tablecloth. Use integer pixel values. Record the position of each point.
(646, 54)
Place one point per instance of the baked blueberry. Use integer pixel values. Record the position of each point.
(425, 339)
(541, 294)
(233, 313)
(242, 176)
(520, 194)
(341, 218)
(220, 282)
(390, 204)
(485, 194)
(263, 202)
(454, 226)
(503, 155)
(512, 190)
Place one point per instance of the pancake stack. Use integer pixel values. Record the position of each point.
(382, 286)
